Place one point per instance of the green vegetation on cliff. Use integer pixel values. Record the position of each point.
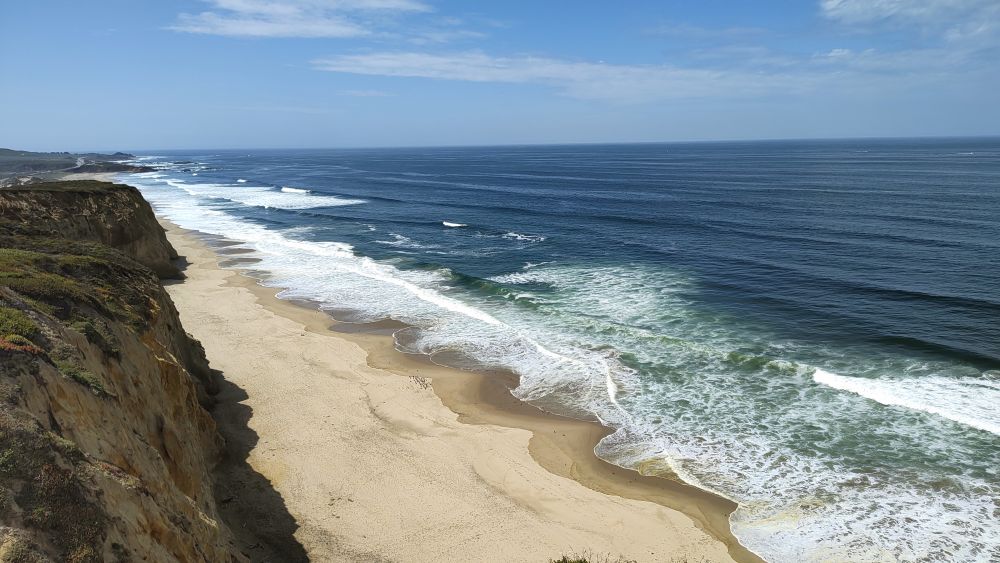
(16, 323)
(73, 278)
(99, 386)
(79, 285)
(83, 219)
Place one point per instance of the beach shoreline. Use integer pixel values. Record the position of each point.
(682, 521)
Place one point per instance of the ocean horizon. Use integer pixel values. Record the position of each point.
(722, 141)
(807, 328)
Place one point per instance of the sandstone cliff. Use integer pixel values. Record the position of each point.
(87, 210)
(106, 449)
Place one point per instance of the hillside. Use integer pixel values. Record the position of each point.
(23, 167)
(106, 446)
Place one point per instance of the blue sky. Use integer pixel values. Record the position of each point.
(131, 74)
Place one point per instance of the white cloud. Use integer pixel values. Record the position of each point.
(585, 80)
(954, 34)
(958, 37)
(926, 13)
(923, 62)
(210, 23)
(290, 18)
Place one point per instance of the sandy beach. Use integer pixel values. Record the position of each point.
(373, 463)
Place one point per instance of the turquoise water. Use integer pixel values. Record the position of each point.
(808, 328)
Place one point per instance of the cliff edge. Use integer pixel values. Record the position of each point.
(106, 446)
(88, 210)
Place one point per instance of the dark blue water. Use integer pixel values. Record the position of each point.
(809, 328)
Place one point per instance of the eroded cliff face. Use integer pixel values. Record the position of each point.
(106, 449)
(87, 210)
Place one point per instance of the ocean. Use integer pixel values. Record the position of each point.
(808, 328)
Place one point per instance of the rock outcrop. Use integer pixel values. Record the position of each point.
(87, 210)
(106, 448)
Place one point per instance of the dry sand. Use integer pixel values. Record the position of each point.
(373, 465)
(99, 176)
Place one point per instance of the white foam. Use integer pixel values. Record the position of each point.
(401, 241)
(289, 190)
(241, 181)
(518, 278)
(453, 225)
(969, 402)
(738, 434)
(262, 196)
(522, 237)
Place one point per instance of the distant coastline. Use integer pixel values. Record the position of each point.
(19, 168)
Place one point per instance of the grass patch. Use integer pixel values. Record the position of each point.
(80, 375)
(71, 278)
(15, 323)
(97, 334)
(17, 330)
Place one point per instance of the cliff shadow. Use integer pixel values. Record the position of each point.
(249, 505)
(247, 502)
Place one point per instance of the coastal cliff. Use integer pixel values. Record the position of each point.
(88, 210)
(106, 446)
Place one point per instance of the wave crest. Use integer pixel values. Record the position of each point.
(969, 402)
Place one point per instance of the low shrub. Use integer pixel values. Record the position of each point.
(81, 375)
(71, 278)
(19, 345)
(15, 323)
(97, 334)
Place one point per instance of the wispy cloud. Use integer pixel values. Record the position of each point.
(955, 35)
(729, 62)
(585, 80)
(955, 20)
(290, 18)
(927, 63)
